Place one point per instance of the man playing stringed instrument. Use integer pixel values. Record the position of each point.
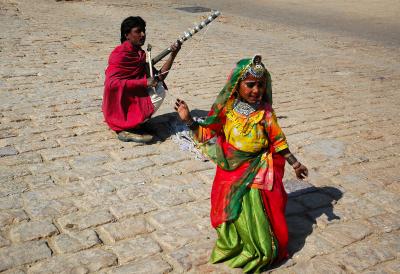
(126, 101)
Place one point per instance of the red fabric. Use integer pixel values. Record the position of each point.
(275, 206)
(126, 103)
(274, 200)
(221, 188)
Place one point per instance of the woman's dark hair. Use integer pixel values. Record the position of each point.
(130, 23)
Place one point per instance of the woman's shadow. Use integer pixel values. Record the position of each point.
(308, 206)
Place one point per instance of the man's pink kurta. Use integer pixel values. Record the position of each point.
(126, 103)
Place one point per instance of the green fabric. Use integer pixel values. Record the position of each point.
(229, 158)
(248, 242)
(239, 189)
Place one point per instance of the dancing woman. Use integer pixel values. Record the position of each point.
(242, 137)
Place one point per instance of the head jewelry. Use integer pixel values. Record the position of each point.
(256, 68)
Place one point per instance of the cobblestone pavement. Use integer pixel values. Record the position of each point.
(73, 199)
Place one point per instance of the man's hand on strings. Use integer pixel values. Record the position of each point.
(183, 110)
(175, 47)
(152, 82)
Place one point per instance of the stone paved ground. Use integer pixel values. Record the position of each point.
(73, 199)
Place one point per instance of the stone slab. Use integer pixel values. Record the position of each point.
(32, 230)
(134, 249)
(25, 253)
(7, 151)
(75, 241)
(129, 228)
(82, 262)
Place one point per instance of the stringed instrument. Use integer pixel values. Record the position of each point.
(157, 94)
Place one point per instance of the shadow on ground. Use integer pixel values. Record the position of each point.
(305, 207)
(162, 125)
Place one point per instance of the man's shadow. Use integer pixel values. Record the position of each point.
(165, 125)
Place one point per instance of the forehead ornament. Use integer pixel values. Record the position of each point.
(256, 68)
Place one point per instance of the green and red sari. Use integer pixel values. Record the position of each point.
(247, 199)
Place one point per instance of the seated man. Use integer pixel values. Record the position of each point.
(126, 102)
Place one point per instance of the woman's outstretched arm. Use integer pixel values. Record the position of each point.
(300, 169)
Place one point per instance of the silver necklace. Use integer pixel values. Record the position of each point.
(245, 108)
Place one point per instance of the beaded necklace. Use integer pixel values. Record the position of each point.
(245, 108)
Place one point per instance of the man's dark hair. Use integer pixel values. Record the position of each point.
(130, 23)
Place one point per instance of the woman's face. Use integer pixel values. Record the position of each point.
(252, 89)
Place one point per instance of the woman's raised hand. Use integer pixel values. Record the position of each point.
(183, 110)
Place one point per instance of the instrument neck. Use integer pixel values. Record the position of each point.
(160, 56)
(187, 35)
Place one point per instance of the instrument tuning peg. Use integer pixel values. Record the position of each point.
(196, 27)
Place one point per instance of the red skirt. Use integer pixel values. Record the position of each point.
(274, 200)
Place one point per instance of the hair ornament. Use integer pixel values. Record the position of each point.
(256, 68)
